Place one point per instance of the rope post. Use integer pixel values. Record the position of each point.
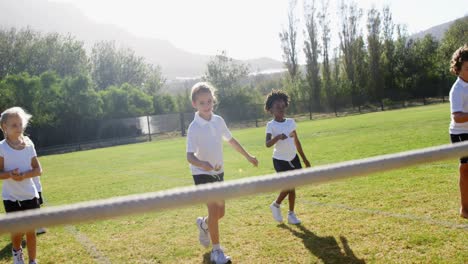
(149, 128)
(182, 124)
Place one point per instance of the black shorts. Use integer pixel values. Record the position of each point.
(207, 178)
(16, 206)
(459, 138)
(283, 165)
(40, 198)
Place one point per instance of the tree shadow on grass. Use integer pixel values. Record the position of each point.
(325, 248)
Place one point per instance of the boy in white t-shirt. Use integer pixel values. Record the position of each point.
(281, 132)
(459, 122)
(205, 137)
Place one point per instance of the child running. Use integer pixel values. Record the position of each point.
(205, 154)
(281, 132)
(18, 166)
(459, 122)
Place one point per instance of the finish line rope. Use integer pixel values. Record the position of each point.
(179, 197)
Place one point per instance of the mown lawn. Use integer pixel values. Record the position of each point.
(403, 216)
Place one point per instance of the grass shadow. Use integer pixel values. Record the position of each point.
(325, 248)
(5, 252)
(206, 258)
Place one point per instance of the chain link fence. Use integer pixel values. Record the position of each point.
(92, 134)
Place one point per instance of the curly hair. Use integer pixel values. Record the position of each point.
(458, 58)
(274, 96)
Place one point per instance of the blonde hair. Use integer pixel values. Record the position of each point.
(15, 111)
(202, 87)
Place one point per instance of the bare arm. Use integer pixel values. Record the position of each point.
(460, 117)
(271, 141)
(192, 159)
(4, 174)
(235, 144)
(36, 171)
(297, 142)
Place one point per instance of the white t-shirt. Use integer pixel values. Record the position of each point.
(284, 149)
(458, 103)
(205, 140)
(13, 190)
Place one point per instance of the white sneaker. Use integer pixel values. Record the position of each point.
(40, 231)
(203, 233)
(218, 257)
(292, 219)
(276, 211)
(18, 256)
(32, 262)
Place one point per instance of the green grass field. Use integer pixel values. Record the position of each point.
(402, 216)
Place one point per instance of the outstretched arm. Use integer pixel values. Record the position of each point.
(299, 148)
(235, 144)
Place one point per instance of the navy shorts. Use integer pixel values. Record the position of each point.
(460, 138)
(15, 206)
(283, 165)
(207, 178)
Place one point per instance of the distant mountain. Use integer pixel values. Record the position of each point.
(65, 18)
(436, 31)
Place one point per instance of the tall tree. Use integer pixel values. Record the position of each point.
(311, 50)
(288, 39)
(324, 22)
(388, 54)
(374, 47)
(350, 15)
(227, 76)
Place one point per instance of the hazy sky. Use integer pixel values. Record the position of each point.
(244, 28)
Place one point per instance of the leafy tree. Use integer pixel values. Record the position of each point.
(455, 37)
(312, 50)
(388, 55)
(349, 34)
(288, 39)
(79, 100)
(374, 47)
(324, 22)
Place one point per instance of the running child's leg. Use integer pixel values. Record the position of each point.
(16, 240)
(281, 196)
(464, 190)
(215, 212)
(31, 244)
(292, 199)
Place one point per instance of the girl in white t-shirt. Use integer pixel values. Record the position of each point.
(281, 132)
(18, 166)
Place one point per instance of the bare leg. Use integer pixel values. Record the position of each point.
(16, 240)
(215, 212)
(292, 199)
(31, 244)
(281, 196)
(464, 190)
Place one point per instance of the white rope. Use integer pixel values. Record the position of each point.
(179, 197)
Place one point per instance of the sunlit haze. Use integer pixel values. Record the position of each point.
(244, 28)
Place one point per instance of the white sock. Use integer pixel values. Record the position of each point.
(290, 212)
(216, 246)
(276, 204)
